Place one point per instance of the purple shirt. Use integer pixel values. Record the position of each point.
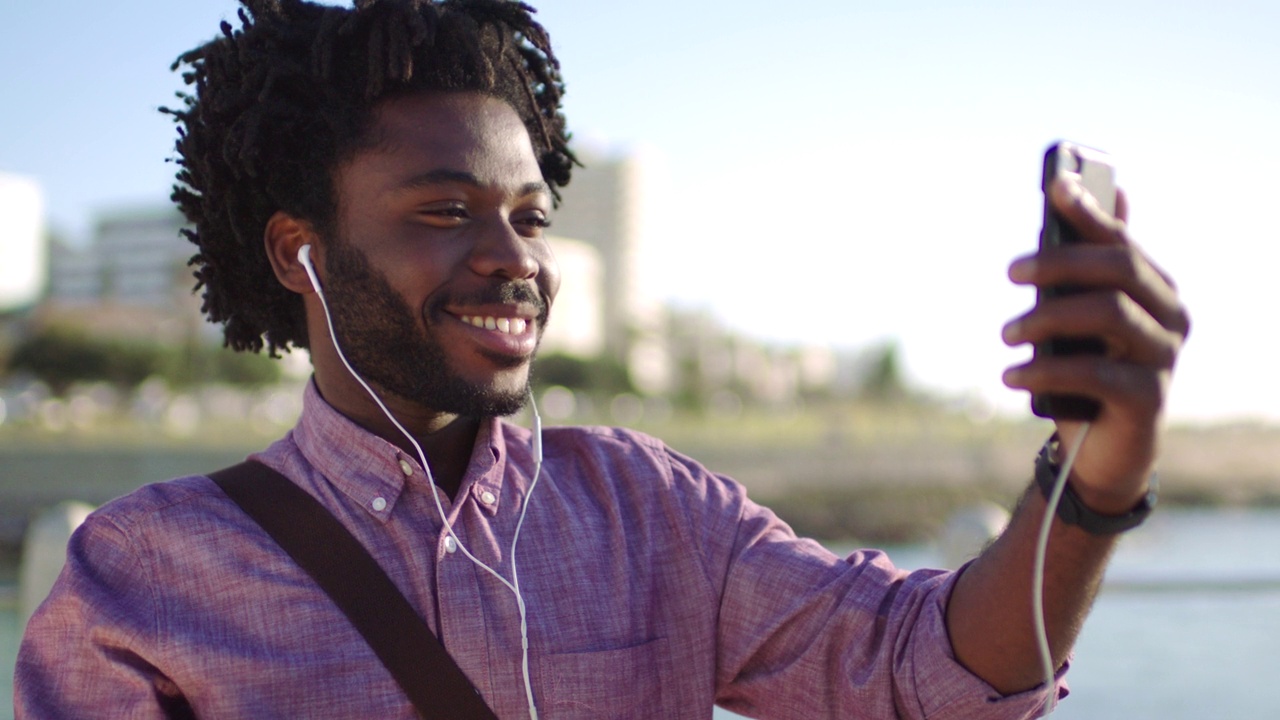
(654, 588)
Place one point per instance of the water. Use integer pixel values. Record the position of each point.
(1186, 628)
(1193, 651)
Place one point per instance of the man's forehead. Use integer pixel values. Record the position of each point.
(447, 176)
(436, 138)
(457, 115)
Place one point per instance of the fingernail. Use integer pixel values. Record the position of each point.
(1023, 270)
(1012, 377)
(1012, 332)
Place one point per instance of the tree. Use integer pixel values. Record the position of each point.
(597, 375)
(63, 356)
(883, 380)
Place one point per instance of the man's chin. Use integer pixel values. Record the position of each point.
(494, 404)
(480, 399)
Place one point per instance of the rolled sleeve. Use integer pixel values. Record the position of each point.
(949, 691)
(804, 633)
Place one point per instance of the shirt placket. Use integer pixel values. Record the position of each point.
(463, 629)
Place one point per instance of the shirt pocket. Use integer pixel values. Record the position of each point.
(617, 684)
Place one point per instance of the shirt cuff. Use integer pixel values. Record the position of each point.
(957, 693)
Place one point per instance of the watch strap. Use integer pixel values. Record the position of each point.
(1073, 511)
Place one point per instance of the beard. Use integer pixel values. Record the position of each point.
(382, 339)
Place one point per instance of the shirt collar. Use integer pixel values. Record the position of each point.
(374, 473)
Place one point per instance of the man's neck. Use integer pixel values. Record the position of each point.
(448, 452)
(446, 439)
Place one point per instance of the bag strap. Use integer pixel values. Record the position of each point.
(342, 567)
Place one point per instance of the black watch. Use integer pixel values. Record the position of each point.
(1073, 511)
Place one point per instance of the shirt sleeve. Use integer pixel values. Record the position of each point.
(803, 633)
(88, 650)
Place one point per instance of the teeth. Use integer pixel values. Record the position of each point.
(507, 326)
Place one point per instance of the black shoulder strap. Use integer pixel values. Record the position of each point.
(342, 567)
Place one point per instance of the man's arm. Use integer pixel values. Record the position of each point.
(1135, 308)
(80, 654)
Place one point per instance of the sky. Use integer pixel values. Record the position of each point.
(828, 172)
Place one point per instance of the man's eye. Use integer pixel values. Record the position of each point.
(536, 221)
(447, 214)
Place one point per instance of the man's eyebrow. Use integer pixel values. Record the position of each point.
(534, 188)
(443, 176)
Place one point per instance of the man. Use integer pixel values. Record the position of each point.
(389, 170)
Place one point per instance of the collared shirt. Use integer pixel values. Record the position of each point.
(654, 589)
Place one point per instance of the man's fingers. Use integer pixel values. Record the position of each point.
(1135, 391)
(1130, 333)
(1122, 206)
(1124, 267)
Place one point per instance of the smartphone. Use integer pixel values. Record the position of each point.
(1097, 175)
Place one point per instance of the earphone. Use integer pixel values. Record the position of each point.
(304, 258)
(1037, 573)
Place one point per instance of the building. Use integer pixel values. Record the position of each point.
(132, 280)
(609, 205)
(22, 243)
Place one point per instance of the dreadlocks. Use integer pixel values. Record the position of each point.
(282, 101)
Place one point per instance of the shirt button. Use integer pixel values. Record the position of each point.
(405, 467)
(379, 504)
(487, 498)
(450, 545)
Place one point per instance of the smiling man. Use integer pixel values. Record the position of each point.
(373, 184)
(438, 273)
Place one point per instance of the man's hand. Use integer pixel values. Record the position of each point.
(1134, 308)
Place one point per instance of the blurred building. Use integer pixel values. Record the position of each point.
(610, 205)
(22, 242)
(577, 323)
(712, 366)
(131, 280)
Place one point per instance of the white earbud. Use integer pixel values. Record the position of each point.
(304, 257)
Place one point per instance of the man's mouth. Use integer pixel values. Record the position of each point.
(505, 325)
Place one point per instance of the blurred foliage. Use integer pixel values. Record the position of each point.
(882, 380)
(596, 375)
(62, 356)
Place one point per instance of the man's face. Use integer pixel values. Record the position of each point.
(439, 277)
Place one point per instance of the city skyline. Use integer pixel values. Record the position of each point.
(838, 173)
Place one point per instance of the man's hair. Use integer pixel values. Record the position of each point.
(282, 101)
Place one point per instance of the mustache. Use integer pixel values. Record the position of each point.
(506, 293)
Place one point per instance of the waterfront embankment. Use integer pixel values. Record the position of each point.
(873, 474)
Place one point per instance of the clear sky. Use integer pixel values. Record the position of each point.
(833, 171)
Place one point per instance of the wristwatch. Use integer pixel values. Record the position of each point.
(1073, 511)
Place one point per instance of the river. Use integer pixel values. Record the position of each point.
(1185, 629)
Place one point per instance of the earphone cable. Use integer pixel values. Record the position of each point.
(1038, 572)
(304, 258)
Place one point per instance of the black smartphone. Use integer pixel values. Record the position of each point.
(1097, 175)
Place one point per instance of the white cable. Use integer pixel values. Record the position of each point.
(1037, 577)
(515, 575)
(304, 257)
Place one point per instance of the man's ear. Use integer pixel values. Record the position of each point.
(284, 237)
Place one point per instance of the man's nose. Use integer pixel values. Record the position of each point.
(502, 251)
